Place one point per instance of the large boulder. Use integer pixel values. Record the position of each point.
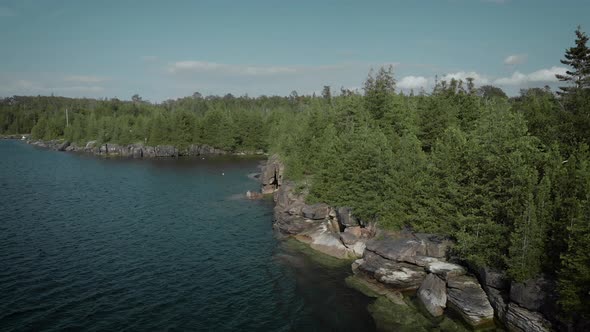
(397, 275)
(348, 238)
(494, 278)
(293, 224)
(401, 249)
(353, 235)
(283, 196)
(90, 145)
(433, 295)
(323, 240)
(531, 294)
(345, 217)
(63, 146)
(523, 320)
(436, 245)
(466, 297)
(317, 211)
(445, 269)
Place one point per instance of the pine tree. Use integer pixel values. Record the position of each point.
(578, 58)
(378, 90)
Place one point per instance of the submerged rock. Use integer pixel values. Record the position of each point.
(372, 288)
(433, 295)
(253, 195)
(390, 316)
(467, 298)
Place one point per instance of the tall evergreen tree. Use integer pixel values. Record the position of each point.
(578, 58)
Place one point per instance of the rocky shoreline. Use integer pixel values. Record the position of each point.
(137, 151)
(394, 265)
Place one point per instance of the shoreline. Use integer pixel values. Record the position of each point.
(394, 267)
(136, 150)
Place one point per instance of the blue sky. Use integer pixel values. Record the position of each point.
(170, 49)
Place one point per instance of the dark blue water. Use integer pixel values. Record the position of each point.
(93, 244)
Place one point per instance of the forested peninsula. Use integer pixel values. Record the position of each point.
(506, 178)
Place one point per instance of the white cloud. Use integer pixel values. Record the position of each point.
(413, 82)
(515, 59)
(7, 12)
(547, 75)
(539, 76)
(84, 79)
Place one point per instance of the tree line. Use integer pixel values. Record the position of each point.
(507, 178)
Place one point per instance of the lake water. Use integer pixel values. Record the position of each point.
(109, 245)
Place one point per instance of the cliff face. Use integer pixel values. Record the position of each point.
(394, 263)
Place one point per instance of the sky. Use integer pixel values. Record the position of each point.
(171, 49)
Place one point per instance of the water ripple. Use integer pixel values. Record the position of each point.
(167, 245)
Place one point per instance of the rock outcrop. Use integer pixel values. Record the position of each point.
(318, 224)
(405, 262)
(272, 175)
(520, 306)
(130, 151)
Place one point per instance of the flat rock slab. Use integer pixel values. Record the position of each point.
(445, 269)
(291, 225)
(323, 240)
(466, 296)
(397, 249)
(521, 319)
(433, 295)
(397, 275)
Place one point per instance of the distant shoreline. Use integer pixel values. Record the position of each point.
(135, 151)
